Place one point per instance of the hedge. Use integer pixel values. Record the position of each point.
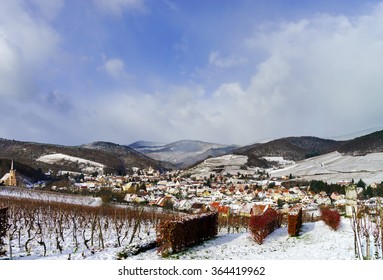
(294, 221)
(181, 232)
(331, 217)
(262, 225)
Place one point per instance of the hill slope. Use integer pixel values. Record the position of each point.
(290, 148)
(183, 153)
(130, 157)
(115, 158)
(335, 167)
(370, 143)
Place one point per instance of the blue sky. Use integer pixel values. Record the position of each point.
(73, 72)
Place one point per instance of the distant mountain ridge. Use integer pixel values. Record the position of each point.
(299, 148)
(117, 159)
(128, 155)
(370, 143)
(141, 144)
(183, 153)
(186, 153)
(290, 148)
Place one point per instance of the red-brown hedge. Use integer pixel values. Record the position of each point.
(331, 217)
(294, 221)
(262, 225)
(181, 232)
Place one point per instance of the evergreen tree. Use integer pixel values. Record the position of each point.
(368, 192)
(379, 190)
(361, 184)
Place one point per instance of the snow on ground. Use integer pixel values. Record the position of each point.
(226, 160)
(280, 160)
(334, 167)
(87, 166)
(316, 242)
(231, 164)
(48, 196)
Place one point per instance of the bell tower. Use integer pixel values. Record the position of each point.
(12, 176)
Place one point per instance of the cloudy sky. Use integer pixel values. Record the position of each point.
(73, 72)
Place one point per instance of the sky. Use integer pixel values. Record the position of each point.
(222, 71)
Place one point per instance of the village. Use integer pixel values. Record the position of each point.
(234, 196)
(228, 194)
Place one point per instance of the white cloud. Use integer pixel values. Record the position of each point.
(229, 90)
(216, 59)
(171, 5)
(115, 68)
(35, 39)
(118, 7)
(49, 8)
(11, 70)
(26, 44)
(321, 76)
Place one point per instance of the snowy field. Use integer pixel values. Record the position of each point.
(316, 242)
(49, 196)
(226, 160)
(335, 167)
(86, 166)
(228, 164)
(280, 160)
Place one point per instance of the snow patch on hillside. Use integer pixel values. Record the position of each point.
(280, 160)
(227, 164)
(226, 160)
(334, 167)
(87, 166)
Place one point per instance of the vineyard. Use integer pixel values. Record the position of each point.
(46, 228)
(31, 229)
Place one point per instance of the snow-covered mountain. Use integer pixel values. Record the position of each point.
(182, 153)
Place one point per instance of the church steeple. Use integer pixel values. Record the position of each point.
(12, 176)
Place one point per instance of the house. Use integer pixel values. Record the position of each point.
(214, 206)
(322, 199)
(198, 208)
(224, 211)
(183, 205)
(245, 210)
(335, 196)
(129, 187)
(206, 193)
(307, 200)
(130, 197)
(166, 201)
(235, 208)
(258, 209)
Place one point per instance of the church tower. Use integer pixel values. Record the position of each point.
(12, 176)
